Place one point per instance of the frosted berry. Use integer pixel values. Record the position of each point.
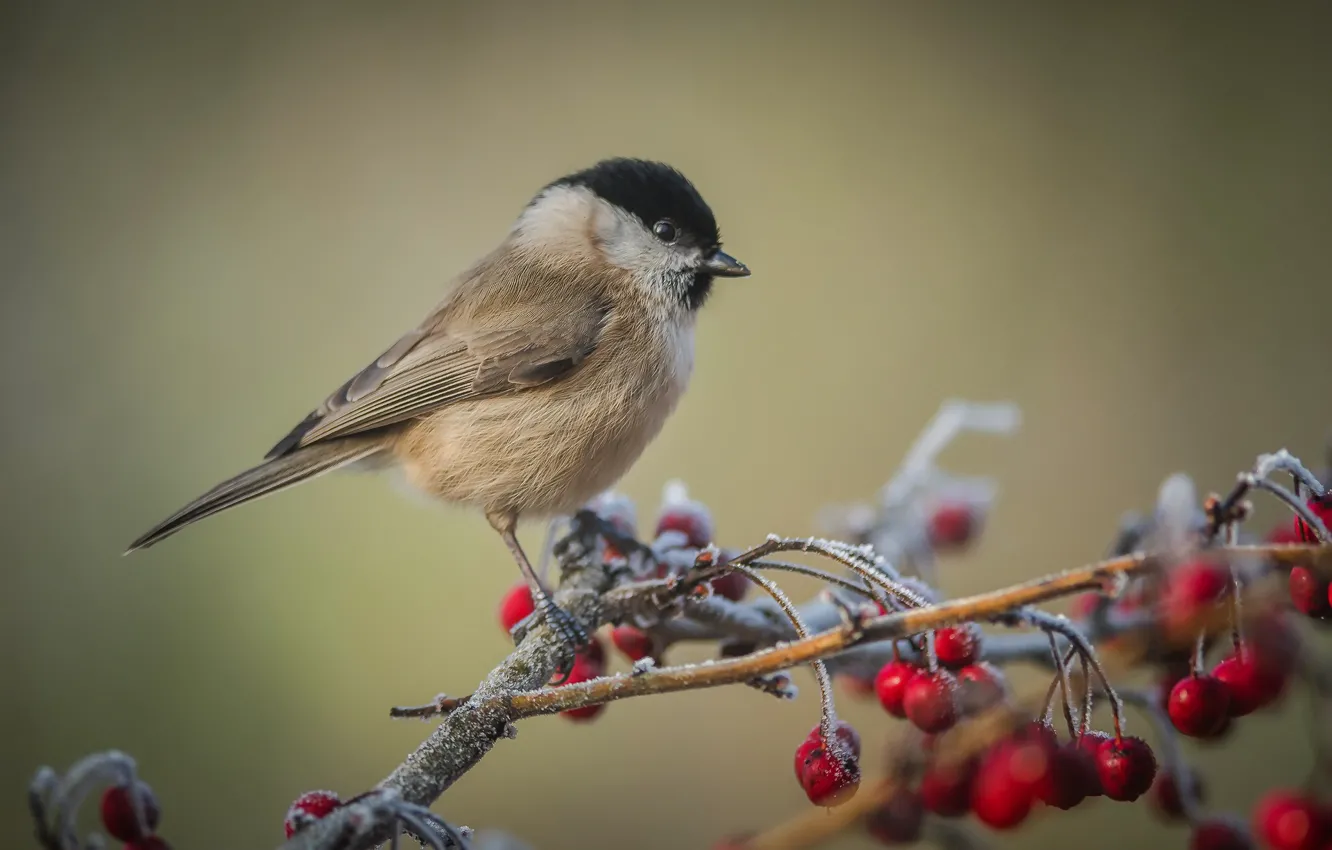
(1219, 834)
(997, 800)
(1037, 731)
(980, 686)
(828, 778)
(898, 820)
(1166, 796)
(890, 685)
(1199, 706)
(1250, 683)
(1310, 593)
(1321, 508)
(516, 606)
(732, 586)
(588, 665)
(930, 700)
(1090, 743)
(1127, 768)
(958, 646)
(683, 514)
(1028, 762)
(1191, 594)
(945, 789)
(308, 808)
(845, 734)
(633, 642)
(953, 525)
(118, 818)
(1288, 820)
(1072, 777)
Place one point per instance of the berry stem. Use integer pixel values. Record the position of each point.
(827, 710)
(1053, 623)
(1088, 697)
(1061, 676)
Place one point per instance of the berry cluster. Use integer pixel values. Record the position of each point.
(684, 528)
(122, 823)
(1310, 592)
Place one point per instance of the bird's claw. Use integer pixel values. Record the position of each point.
(573, 639)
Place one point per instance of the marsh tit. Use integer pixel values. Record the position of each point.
(542, 375)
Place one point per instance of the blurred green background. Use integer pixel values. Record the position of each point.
(210, 215)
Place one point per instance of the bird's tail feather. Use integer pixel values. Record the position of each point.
(266, 478)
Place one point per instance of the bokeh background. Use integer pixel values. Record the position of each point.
(1115, 215)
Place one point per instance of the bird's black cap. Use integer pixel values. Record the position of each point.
(651, 191)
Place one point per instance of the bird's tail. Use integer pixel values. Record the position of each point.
(262, 480)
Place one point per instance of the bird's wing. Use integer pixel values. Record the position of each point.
(541, 333)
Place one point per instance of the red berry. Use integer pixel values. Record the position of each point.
(946, 789)
(930, 700)
(1166, 794)
(1285, 534)
(890, 684)
(1191, 593)
(898, 820)
(958, 646)
(1321, 508)
(1288, 820)
(997, 800)
(732, 586)
(952, 525)
(633, 642)
(1251, 684)
(1219, 834)
(308, 808)
(845, 734)
(829, 779)
(588, 665)
(1072, 776)
(516, 606)
(1310, 593)
(980, 686)
(1199, 706)
(1274, 642)
(148, 842)
(683, 514)
(1090, 743)
(1037, 731)
(1126, 767)
(1029, 762)
(118, 817)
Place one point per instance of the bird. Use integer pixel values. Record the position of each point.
(540, 377)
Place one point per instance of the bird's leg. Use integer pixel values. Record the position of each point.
(560, 622)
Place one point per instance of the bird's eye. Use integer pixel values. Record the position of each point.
(664, 230)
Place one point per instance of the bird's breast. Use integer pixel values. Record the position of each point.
(549, 449)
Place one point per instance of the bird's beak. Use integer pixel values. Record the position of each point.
(723, 264)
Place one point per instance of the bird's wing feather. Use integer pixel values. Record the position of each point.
(542, 333)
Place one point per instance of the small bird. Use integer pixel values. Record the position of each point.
(540, 378)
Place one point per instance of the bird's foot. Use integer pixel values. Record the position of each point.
(573, 639)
